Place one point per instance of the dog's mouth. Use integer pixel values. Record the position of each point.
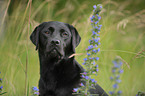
(54, 53)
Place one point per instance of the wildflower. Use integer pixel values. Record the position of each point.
(84, 63)
(85, 59)
(94, 33)
(75, 89)
(81, 84)
(92, 50)
(97, 58)
(96, 40)
(97, 70)
(118, 76)
(94, 63)
(119, 92)
(99, 18)
(83, 76)
(115, 86)
(88, 54)
(111, 78)
(113, 71)
(90, 47)
(1, 87)
(118, 80)
(95, 6)
(120, 71)
(96, 22)
(96, 45)
(98, 49)
(85, 73)
(116, 70)
(86, 77)
(35, 89)
(93, 80)
(110, 92)
(36, 93)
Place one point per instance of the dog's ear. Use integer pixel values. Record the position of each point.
(35, 37)
(75, 37)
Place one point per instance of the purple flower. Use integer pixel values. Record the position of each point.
(96, 27)
(96, 45)
(113, 71)
(86, 77)
(110, 92)
(97, 58)
(121, 71)
(96, 40)
(118, 80)
(97, 34)
(118, 76)
(1, 87)
(93, 80)
(84, 63)
(75, 89)
(37, 93)
(120, 63)
(100, 25)
(90, 47)
(35, 88)
(116, 66)
(98, 31)
(85, 73)
(85, 59)
(98, 49)
(96, 22)
(119, 92)
(81, 84)
(111, 78)
(114, 62)
(115, 86)
(101, 7)
(94, 50)
(99, 18)
(88, 54)
(94, 63)
(116, 70)
(94, 6)
(83, 76)
(94, 33)
(97, 69)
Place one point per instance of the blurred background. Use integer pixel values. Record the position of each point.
(122, 34)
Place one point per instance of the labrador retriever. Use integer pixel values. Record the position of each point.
(59, 74)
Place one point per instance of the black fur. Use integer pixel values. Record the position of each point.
(59, 74)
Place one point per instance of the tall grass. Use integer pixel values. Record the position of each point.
(19, 61)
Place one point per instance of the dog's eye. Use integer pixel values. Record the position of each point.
(64, 34)
(47, 32)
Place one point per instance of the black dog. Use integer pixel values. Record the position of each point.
(59, 74)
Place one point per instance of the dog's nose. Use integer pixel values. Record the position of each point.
(56, 42)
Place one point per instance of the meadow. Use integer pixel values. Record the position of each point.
(122, 35)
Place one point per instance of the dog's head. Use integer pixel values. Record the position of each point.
(55, 39)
